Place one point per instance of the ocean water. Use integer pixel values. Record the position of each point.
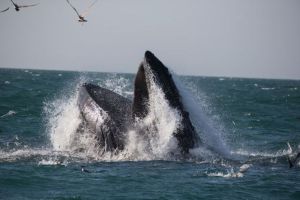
(248, 126)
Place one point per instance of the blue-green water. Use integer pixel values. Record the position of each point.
(253, 120)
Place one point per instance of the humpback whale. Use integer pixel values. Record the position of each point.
(109, 115)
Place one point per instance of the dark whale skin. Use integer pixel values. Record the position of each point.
(117, 109)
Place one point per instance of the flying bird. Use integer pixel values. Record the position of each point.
(84, 14)
(17, 7)
(4, 10)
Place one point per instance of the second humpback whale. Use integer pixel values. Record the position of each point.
(109, 115)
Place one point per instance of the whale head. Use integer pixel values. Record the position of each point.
(153, 68)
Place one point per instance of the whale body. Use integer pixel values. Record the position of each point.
(109, 115)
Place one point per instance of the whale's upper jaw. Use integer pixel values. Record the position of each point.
(150, 58)
(164, 79)
(186, 134)
(155, 64)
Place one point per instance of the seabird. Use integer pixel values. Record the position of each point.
(83, 15)
(84, 170)
(17, 7)
(4, 10)
(293, 161)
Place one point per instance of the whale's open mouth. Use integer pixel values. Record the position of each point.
(156, 103)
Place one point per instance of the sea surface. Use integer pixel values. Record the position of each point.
(249, 128)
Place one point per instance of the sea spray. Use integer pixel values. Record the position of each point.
(63, 120)
(118, 84)
(167, 119)
(160, 124)
(210, 131)
(66, 128)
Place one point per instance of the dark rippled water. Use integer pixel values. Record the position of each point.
(255, 118)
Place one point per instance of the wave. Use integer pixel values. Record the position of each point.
(266, 88)
(25, 153)
(280, 153)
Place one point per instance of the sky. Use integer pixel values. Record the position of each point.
(235, 38)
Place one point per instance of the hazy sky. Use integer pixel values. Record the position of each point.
(244, 38)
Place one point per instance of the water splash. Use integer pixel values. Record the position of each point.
(118, 84)
(62, 117)
(210, 129)
(13, 155)
(161, 122)
(53, 161)
(231, 172)
(63, 120)
(246, 153)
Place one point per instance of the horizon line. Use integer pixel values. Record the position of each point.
(172, 72)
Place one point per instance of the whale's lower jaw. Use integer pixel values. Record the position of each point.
(105, 114)
(109, 115)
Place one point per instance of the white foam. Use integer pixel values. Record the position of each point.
(22, 153)
(231, 173)
(166, 119)
(226, 175)
(279, 153)
(43, 156)
(161, 122)
(52, 161)
(63, 119)
(118, 85)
